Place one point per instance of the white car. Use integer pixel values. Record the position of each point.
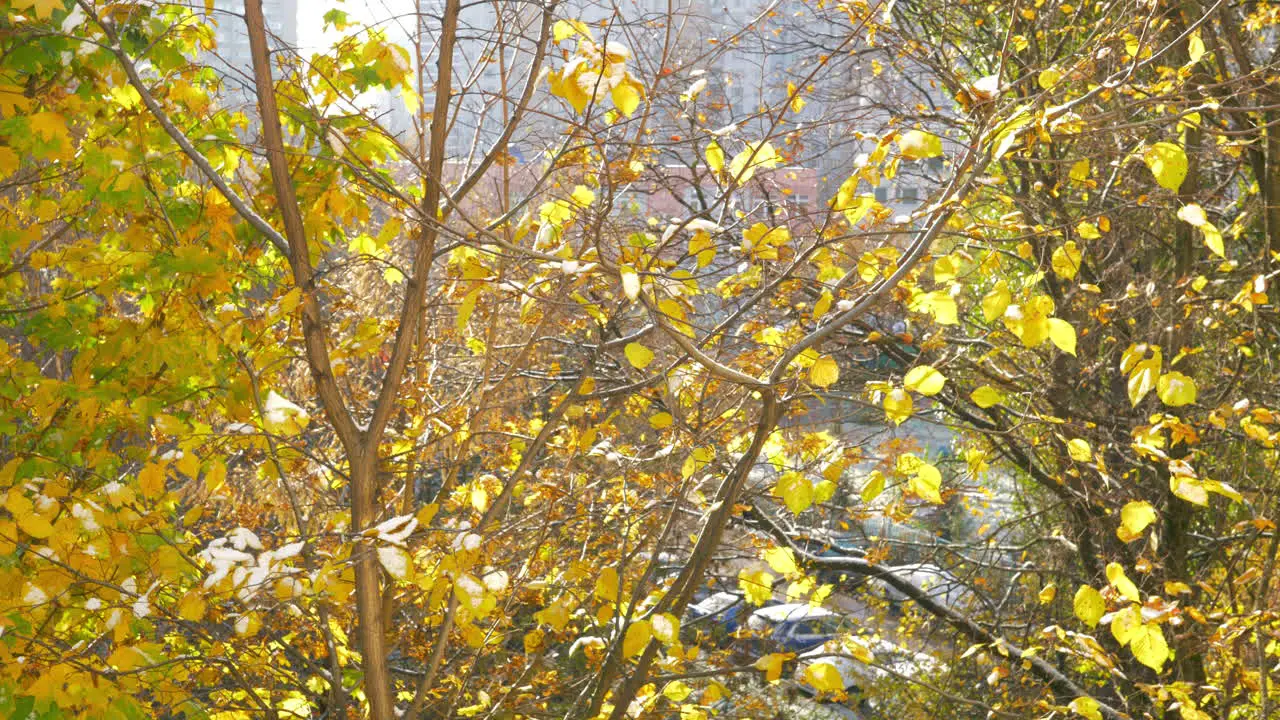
(887, 661)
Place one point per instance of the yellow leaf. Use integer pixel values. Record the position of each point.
(582, 195)
(757, 155)
(1048, 593)
(924, 479)
(151, 480)
(562, 30)
(1134, 518)
(192, 606)
(638, 355)
(1213, 240)
(715, 157)
(1122, 583)
(797, 102)
(1125, 624)
(1189, 489)
(666, 628)
(824, 372)
(1149, 646)
(1142, 377)
(125, 658)
(676, 691)
(986, 396)
(795, 490)
(1089, 605)
(607, 585)
(1079, 450)
(1195, 47)
(772, 664)
(479, 498)
(873, 487)
(35, 525)
(701, 247)
(897, 405)
(942, 306)
(1168, 164)
(9, 161)
(661, 421)
(782, 560)
(996, 301)
(44, 8)
(1080, 170)
(1086, 707)
(1220, 488)
(823, 304)
(823, 491)
(925, 380)
(757, 587)
(637, 637)
(1049, 77)
(918, 145)
(1066, 260)
(1176, 389)
(1087, 230)
(824, 677)
(626, 96)
(1063, 335)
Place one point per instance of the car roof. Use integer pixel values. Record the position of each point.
(717, 602)
(791, 611)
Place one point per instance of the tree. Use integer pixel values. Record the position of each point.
(309, 415)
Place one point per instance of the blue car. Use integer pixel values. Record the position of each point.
(794, 627)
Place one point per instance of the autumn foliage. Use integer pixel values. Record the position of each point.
(306, 415)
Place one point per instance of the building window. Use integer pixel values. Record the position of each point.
(908, 193)
(882, 194)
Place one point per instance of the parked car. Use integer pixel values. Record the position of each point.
(724, 609)
(794, 627)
